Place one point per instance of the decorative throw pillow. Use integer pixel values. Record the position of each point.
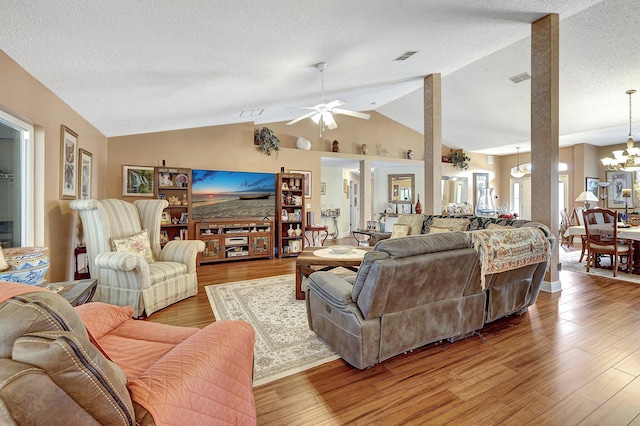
(3, 263)
(137, 243)
(413, 220)
(454, 224)
(399, 230)
(438, 230)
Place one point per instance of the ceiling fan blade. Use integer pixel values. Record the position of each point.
(302, 117)
(357, 114)
(316, 117)
(334, 104)
(328, 120)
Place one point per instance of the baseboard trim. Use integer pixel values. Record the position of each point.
(551, 287)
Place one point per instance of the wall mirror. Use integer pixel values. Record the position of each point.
(454, 190)
(402, 188)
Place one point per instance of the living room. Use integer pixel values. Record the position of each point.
(225, 147)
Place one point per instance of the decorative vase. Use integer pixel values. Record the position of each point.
(302, 143)
(418, 206)
(365, 148)
(27, 265)
(298, 231)
(336, 146)
(290, 231)
(486, 205)
(410, 154)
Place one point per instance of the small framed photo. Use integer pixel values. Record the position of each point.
(165, 178)
(184, 217)
(69, 163)
(162, 196)
(137, 181)
(166, 218)
(84, 181)
(323, 188)
(307, 181)
(164, 237)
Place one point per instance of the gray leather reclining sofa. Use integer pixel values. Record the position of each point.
(412, 291)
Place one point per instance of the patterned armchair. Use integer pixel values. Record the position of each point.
(125, 278)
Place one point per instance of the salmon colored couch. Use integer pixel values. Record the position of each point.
(55, 366)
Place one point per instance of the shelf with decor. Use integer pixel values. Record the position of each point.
(174, 185)
(290, 214)
(235, 239)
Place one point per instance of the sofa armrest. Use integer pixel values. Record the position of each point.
(184, 251)
(125, 262)
(378, 236)
(207, 379)
(332, 288)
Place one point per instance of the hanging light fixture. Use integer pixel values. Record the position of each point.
(517, 173)
(629, 161)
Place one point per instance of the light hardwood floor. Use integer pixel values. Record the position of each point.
(574, 358)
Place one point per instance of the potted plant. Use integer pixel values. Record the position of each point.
(460, 160)
(266, 140)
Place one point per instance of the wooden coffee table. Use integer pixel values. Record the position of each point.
(308, 263)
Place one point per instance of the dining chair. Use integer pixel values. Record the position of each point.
(601, 226)
(577, 216)
(565, 223)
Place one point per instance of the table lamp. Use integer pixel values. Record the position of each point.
(587, 197)
(626, 194)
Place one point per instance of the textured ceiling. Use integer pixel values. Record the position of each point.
(145, 66)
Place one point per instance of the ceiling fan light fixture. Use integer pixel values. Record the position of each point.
(628, 161)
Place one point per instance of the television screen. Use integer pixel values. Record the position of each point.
(220, 194)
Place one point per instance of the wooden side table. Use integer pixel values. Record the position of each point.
(77, 292)
(315, 233)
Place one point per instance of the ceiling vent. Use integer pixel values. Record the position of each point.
(520, 77)
(406, 55)
(251, 112)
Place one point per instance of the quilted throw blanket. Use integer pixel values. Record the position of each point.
(506, 249)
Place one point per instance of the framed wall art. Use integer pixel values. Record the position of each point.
(591, 185)
(619, 181)
(84, 181)
(137, 181)
(307, 181)
(68, 163)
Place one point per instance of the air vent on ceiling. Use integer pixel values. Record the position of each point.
(406, 55)
(251, 112)
(520, 77)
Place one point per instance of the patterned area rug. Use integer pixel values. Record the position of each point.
(284, 343)
(569, 260)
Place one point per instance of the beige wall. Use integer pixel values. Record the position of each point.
(23, 96)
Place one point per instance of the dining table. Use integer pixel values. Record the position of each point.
(626, 232)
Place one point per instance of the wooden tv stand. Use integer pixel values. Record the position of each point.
(235, 239)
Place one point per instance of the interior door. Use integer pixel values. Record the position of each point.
(521, 197)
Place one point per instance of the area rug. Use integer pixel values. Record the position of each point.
(569, 260)
(284, 344)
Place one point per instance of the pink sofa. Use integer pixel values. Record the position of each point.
(95, 365)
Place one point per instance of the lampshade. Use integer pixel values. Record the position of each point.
(587, 196)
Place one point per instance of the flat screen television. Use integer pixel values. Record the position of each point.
(227, 194)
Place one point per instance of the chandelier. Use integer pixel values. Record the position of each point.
(518, 172)
(629, 161)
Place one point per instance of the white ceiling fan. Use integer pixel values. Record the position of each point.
(323, 113)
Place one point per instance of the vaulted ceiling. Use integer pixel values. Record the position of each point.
(145, 66)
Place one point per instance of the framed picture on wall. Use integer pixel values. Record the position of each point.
(620, 181)
(591, 185)
(68, 163)
(307, 181)
(84, 181)
(137, 181)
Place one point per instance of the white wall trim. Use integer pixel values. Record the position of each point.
(551, 287)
